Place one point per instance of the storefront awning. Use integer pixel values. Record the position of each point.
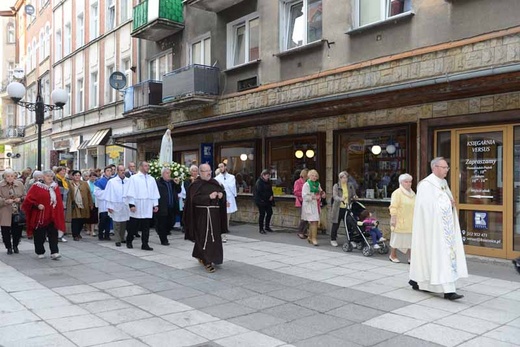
(100, 138)
(83, 145)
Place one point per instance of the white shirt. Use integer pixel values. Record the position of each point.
(114, 197)
(228, 181)
(142, 192)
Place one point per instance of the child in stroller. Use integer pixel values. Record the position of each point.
(357, 235)
(371, 226)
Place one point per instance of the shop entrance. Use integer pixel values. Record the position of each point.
(485, 181)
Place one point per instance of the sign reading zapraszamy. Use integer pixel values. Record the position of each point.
(481, 167)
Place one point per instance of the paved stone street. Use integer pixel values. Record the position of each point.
(272, 290)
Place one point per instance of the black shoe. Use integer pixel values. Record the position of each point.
(15, 249)
(118, 244)
(100, 238)
(9, 251)
(262, 231)
(108, 238)
(269, 229)
(146, 248)
(414, 285)
(453, 296)
(129, 245)
(137, 236)
(165, 243)
(123, 241)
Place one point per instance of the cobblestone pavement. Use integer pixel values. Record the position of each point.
(272, 290)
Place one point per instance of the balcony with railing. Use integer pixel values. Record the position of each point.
(12, 134)
(156, 19)
(144, 99)
(191, 87)
(211, 5)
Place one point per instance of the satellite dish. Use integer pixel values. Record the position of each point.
(117, 80)
(29, 10)
(19, 72)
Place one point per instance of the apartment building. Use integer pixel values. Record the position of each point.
(10, 132)
(91, 40)
(375, 87)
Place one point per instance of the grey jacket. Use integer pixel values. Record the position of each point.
(337, 196)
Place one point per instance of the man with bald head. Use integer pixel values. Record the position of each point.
(205, 218)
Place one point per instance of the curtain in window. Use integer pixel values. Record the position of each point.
(369, 11)
(207, 52)
(314, 20)
(239, 56)
(254, 38)
(295, 26)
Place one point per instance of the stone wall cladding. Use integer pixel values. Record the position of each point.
(493, 52)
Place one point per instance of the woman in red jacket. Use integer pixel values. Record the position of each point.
(297, 191)
(44, 212)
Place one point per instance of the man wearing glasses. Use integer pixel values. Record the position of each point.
(437, 259)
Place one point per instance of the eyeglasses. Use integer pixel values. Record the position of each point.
(443, 167)
(205, 170)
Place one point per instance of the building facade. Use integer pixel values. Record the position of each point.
(377, 88)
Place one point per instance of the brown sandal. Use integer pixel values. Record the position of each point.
(209, 268)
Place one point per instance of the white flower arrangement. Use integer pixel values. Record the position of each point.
(177, 170)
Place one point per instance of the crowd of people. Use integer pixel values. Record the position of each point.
(128, 202)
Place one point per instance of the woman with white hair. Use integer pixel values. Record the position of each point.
(401, 217)
(45, 215)
(12, 192)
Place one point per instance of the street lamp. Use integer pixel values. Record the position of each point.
(16, 92)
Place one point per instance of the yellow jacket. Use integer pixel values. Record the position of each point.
(401, 206)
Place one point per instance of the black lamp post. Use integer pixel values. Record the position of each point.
(16, 91)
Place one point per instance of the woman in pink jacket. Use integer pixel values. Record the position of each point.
(297, 191)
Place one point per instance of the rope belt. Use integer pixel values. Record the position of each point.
(209, 225)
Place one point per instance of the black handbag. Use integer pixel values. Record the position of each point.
(19, 218)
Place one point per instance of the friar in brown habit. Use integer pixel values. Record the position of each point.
(205, 218)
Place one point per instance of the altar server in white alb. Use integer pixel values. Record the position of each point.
(229, 183)
(142, 197)
(438, 258)
(116, 205)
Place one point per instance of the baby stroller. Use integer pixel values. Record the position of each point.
(357, 237)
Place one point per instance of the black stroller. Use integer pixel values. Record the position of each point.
(357, 237)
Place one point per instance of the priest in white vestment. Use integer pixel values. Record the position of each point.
(142, 197)
(437, 259)
(117, 207)
(229, 183)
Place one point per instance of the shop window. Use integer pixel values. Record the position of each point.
(286, 157)
(243, 40)
(373, 11)
(190, 158)
(375, 159)
(301, 22)
(241, 160)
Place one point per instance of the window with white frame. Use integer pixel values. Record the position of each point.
(10, 70)
(58, 46)
(67, 39)
(21, 116)
(94, 89)
(33, 56)
(94, 21)
(126, 10)
(46, 89)
(11, 121)
(111, 15)
(47, 45)
(301, 22)
(110, 93)
(243, 38)
(79, 95)
(42, 45)
(66, 107)
(11, 37)
(200, 51)
(80, 30)
(159, 66)
(125, 64)
(373, 11)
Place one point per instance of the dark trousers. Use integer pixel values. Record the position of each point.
(265, 214)
(76, 225)
(104, 225)
(40, 234)
(375, 235)
(14, 231)
(163, 225)
(136, 224)
(335, 226)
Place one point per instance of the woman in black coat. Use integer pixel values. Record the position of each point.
(168, 204)
(264, 199)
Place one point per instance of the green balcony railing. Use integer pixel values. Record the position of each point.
(150, 10)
